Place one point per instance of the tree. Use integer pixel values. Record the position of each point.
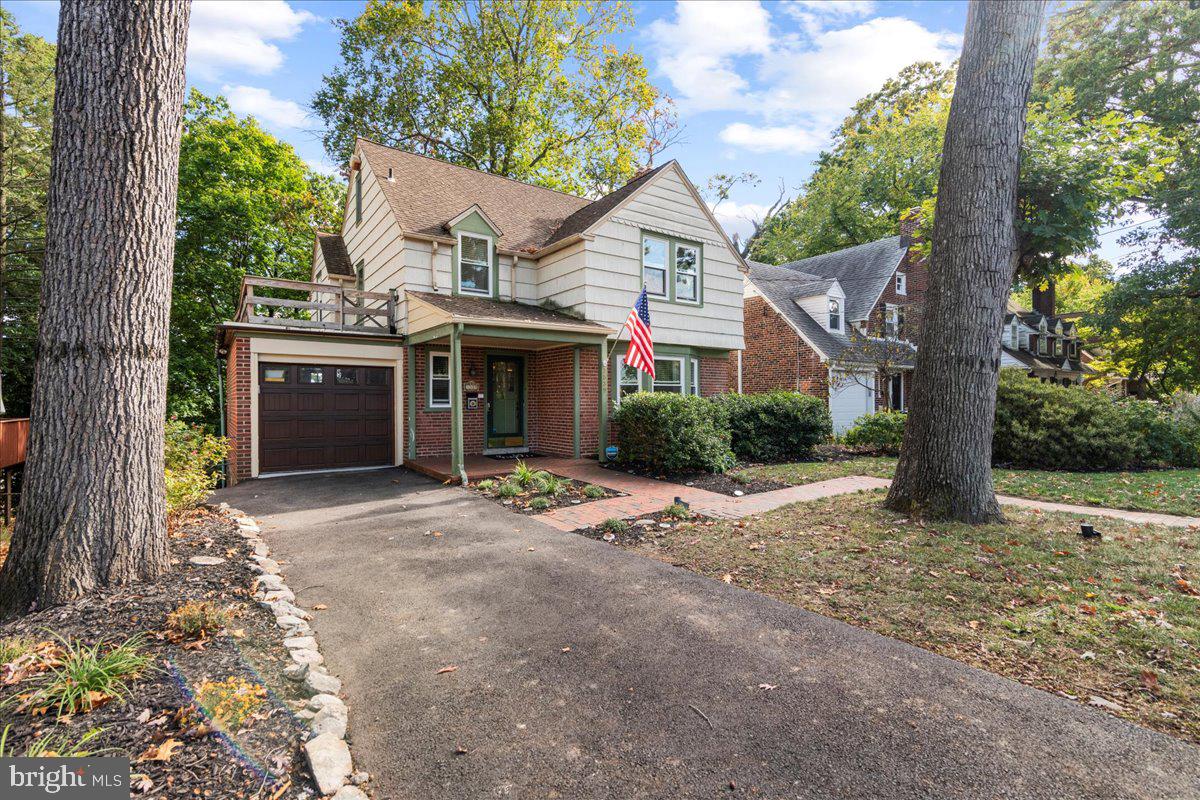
(944, 470)
(531, 91)
(26, 103)
(247, 206)
(93, 510)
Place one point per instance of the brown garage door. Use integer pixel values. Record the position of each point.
(324, 416)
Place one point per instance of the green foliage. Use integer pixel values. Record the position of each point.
(13, 647)
(231, 703)
(1045, 426)
(508, 489)
(523, 474)
(53, 745)
(191, 456)
(89, 676)
(775, 426)
(677, 511)
(486, 485)
(593, 492)
(882, 431)
(197, 619)
(532, 91)
(539, 504)
(551, 484)
(248, 205)
(669, 433)
(614, 526)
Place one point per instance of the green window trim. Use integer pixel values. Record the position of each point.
(675, 247)
(689, 371)
(358, 198)
(429, 378)
(474, 226)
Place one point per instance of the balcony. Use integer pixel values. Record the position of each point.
(321, 306)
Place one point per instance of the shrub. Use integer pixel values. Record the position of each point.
(551, 485)
(486, 485)
(593, 492)
(1044, 426)
(195, 620)
(191, 458)
(669, 433)
(523, 475)
(539, 504)
(508, 489)
(614, 526)
(677, 511)
(776, 426)
(882, 431)
(230, 703)
(86, 678)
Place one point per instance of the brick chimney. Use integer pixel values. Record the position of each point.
(908, 226)
(1043, 299)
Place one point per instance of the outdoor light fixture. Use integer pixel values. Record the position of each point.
(1088, 532)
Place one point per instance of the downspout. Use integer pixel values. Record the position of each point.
(512, 280)
(433, 265)
(224, 481)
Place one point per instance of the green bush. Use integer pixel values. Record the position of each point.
(191, 457)
(668, 433)
(523, 474)
(508, 489)
(677, 511)
(882, 431)
(776, 426)
(539, 504)
(486, 485)
(551, 485)
(593, 492)
(614, 525)
(1045, 426)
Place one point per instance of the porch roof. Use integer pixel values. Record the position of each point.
(515, 320)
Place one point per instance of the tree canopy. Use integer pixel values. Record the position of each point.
(531, 91)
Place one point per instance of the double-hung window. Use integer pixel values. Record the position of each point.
(668, 375)
(901, 283)
(1042, 345)
(628, 380)
(835, 314)
(687, 277)
(654, 265)
(475, 264)
(672, 269)
(439, 380)
(891, 322)
(695, 377)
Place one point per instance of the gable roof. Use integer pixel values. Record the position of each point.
(863, 271)
(592, 213)
(337, 257)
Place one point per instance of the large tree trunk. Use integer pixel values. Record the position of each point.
(93, 508)
(945, 462)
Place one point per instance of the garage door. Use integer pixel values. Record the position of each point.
(324, 416)
(850, 399)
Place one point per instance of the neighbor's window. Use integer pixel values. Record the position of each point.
(1042, 346)
(891, 322)
(654, 265)
(474, 264)
(668, 375)
(901, 283)
(1058, 347)
(687, 273)
(835, 315)
(439, 380)
(312, 375)
(696, 377)
(628, 380)
(1074, 349)
(1014, 336)
(274, 375)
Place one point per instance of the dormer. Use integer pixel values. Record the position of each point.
(827, 306)
(474, 260)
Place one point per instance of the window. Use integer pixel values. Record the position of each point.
(312, 375)
(345, 376)
(835, 314)
(695, 376)
(628, 380)
(668, 375)
(896, 401)
(474, 264)
(687, 264)
(357, 198)
(891, 322)
(274, 375)
(1058, 347)
(1074, 349)
(1014, 337)
(376, 376)
(1042, 346)
(439, 380)
(654, 265)
(901, 283)
(360, 272)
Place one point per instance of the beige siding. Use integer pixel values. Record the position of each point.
(561, 278)
(376, 240)
(319, 275)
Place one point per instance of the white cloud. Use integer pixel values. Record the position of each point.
(697, 51)
(815, 15)
(237, 36)
(786, 139)
(738, 218)
(260, 103)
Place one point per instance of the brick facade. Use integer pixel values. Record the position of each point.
(238, 381)
(714, 376)
(775, 356)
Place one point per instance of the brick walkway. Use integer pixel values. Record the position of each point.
(645, 496)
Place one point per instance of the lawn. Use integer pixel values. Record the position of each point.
(1169, 491)
(1112, 623)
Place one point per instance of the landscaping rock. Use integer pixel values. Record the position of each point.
(282, 608)
(266, 566)
(738, 493)
(360, 777)
(1107, 705)
(288, 621)
(271, 583)
(321, 701)
(329, 721)
(295, 672)
(260, 548)
(644, 523)
(321, 683)
(280, 594)
(329, 759)
(350, 793)
(300, 643)
(246, 522)
(206, 561)
(307, 657)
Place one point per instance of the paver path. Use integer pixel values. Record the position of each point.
(651, 648)
(646, 495)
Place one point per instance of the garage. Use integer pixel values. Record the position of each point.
(850, 397)
(324, 416)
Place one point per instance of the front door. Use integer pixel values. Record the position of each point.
(505, 401)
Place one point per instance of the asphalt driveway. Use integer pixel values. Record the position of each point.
(587, 672)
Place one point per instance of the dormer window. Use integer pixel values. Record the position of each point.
(1074, 349)
(835, 314)
(1042, 345)
(475, 264)
(1014, 336)
(901, 283)
(1058, 347)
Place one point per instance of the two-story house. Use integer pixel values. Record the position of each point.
(838, 325)
(1042, 343)
(460, 314)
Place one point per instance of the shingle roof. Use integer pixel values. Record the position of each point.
(1047, 362)
(863, 271)
(587, 216)
(333, 250)
(486, 308)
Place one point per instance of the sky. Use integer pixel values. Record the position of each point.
(759, 86)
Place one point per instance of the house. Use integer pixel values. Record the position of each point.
(459, 314)
(839, 325)
(1043, 344)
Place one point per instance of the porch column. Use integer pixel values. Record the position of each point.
(457, 466)
(575, 354)
(601, 350)
(410, 374)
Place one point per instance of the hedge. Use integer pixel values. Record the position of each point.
(667, 433)
(776, 426)
(882, 431)
(191, 456)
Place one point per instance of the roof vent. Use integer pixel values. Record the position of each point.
(390, 176)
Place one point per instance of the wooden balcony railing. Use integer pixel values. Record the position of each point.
(14, 436)
(326, 306)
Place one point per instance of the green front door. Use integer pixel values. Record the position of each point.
(505, 401)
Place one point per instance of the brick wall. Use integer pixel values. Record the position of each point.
(775, 356)
(715, 375)
(238, 384)
(433, 425)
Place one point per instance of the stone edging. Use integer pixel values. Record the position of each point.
(326, 751)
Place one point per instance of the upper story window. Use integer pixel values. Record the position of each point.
(1074, 349)
(687, 277)
(475, 264)
(901, 283)
(1058, 347)
(1043, 345)
(439, 380)
(835, 314)
(654, 265)
(893, 320)
(357, 198)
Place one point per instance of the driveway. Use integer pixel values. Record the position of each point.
(587, 672)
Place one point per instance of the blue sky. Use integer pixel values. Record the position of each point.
(759, 85)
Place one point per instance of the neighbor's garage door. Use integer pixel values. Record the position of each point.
(850, 398)
(324, 416)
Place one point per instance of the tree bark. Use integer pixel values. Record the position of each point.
(93, 511)
(945, 461)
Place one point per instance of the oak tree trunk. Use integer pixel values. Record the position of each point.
(945, 461)
(93, 509)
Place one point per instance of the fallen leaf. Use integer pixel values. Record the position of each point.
(320, 607)
(566, 649)
(238, 633)
(727, 578)
(140, 783)
(144, 717)
(163, 752)
(973, 624)
(1150, 679)
(768, 686)
(450, 668)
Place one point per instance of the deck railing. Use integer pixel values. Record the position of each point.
(325, 306)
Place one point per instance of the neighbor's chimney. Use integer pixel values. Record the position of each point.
(1043, 299)
(908, 226)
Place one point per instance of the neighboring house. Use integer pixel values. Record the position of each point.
(459, 313)
(839, 326)
(1044, 344)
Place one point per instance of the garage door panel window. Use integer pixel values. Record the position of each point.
(345, 376)
(312, 375)
(439, 380)
(275, 374)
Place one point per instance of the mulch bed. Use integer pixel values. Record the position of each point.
(722, 483)
(572, 495)
(655, 526)
(172, 743)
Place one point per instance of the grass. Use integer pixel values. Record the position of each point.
(1117, 619)
(13, 647)
(87, 677)
(51, 745)
(1167, 491)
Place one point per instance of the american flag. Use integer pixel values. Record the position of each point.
(641, 347)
